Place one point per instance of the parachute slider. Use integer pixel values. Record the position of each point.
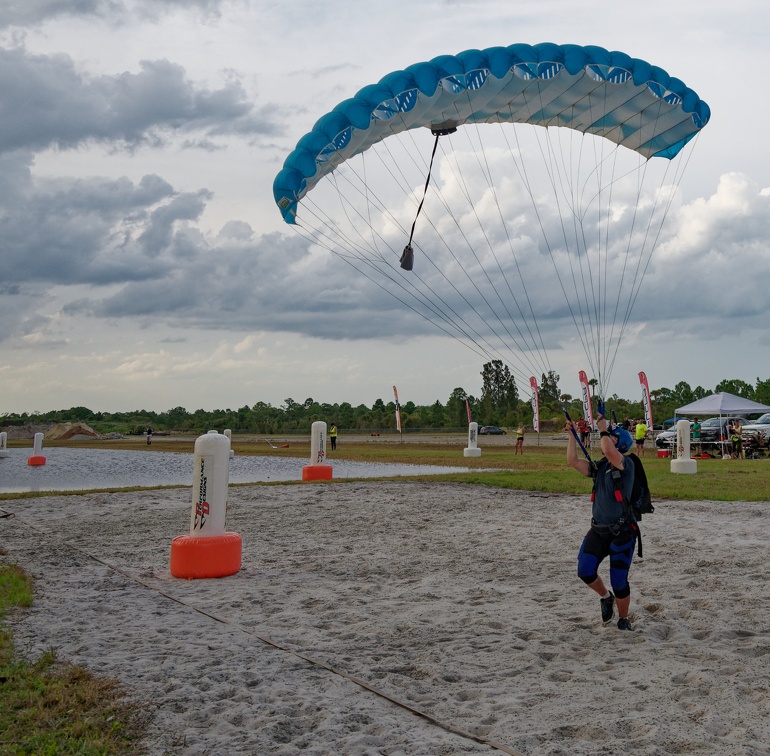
(443, 129)
(407, 258)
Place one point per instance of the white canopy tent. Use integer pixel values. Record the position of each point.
(723, 404)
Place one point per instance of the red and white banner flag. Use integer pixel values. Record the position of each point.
(646, 403)
(535, 405)
(588, 412)
(398, 410)
(468, 410)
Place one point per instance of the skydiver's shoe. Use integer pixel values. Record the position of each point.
(624, 624)
(608, 608)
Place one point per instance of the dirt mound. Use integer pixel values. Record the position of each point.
(67, 431)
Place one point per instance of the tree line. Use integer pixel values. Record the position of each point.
(499, 403)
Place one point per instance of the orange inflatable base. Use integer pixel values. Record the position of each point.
(209, 557)
(317, 472)
(36, 460)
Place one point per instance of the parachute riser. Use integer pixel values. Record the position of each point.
(444, 129)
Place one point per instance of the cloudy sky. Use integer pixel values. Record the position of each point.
(144, 264)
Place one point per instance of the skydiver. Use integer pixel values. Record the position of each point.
(610, 535)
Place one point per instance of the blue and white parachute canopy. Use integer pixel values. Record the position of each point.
(589, 89)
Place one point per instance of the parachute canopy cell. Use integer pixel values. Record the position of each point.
(589, 89)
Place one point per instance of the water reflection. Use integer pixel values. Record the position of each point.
(81, 469)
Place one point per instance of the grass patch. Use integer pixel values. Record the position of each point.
(52, 707)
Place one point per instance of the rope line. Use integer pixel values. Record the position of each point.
(314, 661)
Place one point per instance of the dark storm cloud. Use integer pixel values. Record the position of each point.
(46, 101)
(87, 231)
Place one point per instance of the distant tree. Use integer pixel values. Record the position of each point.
(437, 414)
(762, 391)
(737, 387)
(499, 395)
(456, 411)
(549, 392)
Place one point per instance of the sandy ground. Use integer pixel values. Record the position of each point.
(407, 618)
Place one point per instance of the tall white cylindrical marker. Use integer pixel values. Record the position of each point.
(683, 463)
(4, 444)
(211, 477)
(472, 450)
(229, 435)
(209, 550)
(318, 469)
(37, 457)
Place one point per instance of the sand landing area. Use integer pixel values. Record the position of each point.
(407, 618)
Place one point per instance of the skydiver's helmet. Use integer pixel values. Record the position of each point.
(625, 442)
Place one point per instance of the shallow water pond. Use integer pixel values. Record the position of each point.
(82, 469)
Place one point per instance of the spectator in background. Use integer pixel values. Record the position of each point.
(640, 433)
(695, 428)
(737, 440)
(519, 448)
(585, 432)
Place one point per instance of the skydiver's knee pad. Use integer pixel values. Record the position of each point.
(587, 568)
(622, 593)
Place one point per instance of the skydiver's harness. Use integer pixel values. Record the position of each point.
(627, 521)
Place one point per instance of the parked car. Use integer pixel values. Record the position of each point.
(667, 438)
(491, 430)
(762, 425)
(714, 430)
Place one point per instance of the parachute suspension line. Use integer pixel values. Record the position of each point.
(523, 351)
(538, 342)
(548, 157)
(679, 171)
(439, 310)
(521, 168)
(316, 237)
(570, 176)
(636, 280)
(463, 268)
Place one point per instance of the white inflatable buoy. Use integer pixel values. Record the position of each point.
(472, 450)
(683, 463)
(228, 434)
(4, 445)
(209, 550)
(318, 469)
(37, 457)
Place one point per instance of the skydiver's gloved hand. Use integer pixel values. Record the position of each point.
(601, 408)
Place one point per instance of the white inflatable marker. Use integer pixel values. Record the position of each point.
(229, 435)
(209, 550)
(472, 450)
(683, 463)
(37, 457)
(318, 469)
(4, 445)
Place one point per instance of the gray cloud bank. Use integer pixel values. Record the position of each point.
(140, 247)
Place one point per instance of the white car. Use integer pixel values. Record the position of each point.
(762, 425)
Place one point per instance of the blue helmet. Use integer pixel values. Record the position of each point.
(625, 442)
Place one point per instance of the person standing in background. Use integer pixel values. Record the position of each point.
(640, 433)
(519, 448)
(333, 436)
